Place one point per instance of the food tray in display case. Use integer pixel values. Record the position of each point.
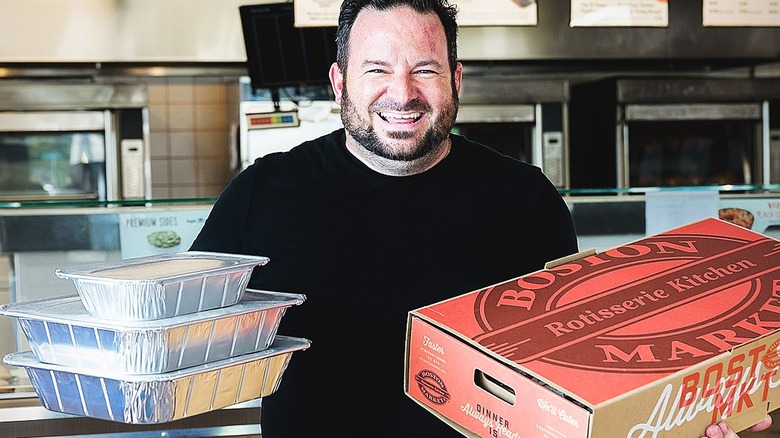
(163, 285)
(159, 398)
(61, 331)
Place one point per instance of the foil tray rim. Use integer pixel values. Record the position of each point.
(281, 345)
(250, 303)
(89, 272)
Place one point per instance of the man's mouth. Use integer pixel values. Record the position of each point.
(400, 118)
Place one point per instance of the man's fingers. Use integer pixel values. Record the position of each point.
(763, 425)
(722, 429)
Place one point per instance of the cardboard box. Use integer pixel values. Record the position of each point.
(659, 337)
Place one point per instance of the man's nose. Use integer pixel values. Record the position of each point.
(402, 88)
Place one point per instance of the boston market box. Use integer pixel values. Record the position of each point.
(659, 337)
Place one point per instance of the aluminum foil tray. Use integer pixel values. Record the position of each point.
(61, 331)
(159, 398)
(163, 285)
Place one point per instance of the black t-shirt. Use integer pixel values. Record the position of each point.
(366, 249)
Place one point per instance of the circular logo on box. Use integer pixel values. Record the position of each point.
(772, 357)
(657, 305)
(432, 387)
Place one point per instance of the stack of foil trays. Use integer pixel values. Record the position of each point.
(156, 339)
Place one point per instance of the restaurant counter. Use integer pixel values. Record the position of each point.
(37, 239)
(21, 414)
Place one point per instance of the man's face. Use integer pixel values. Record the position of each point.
(401, 102)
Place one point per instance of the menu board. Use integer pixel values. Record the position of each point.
(741, 13)
(310, 13)
(496, 12)
(619, 13)
(314, 13)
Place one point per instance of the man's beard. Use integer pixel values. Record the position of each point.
(362, 131)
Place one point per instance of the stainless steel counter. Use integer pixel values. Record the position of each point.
(72, 227)
(21, 414)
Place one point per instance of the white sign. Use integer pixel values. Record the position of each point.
(325, 13)
(496, 12)
(741, 13)
(761, 215)
(143, 234)
(619, 13)
(665, 210)
(317, 13)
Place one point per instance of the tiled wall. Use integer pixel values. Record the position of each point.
(193, 125)
(193, 122)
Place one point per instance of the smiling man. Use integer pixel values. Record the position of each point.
(389, 214)
(405, 101)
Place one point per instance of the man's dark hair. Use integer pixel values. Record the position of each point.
(350, 8)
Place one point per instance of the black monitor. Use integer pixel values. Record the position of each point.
(282, 55)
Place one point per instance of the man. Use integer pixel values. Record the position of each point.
(387, 215)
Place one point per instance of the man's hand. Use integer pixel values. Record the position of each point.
(722, 430)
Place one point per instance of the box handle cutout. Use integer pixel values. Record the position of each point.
(494, 386)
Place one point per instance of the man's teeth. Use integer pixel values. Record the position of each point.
(412, 116)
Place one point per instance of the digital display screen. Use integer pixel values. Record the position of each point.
(281, 55)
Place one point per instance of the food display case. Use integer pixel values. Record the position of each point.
(646, 132)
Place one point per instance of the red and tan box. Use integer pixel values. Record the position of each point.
(659, 337)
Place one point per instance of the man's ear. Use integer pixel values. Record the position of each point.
(458, 77)
(336, 81)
